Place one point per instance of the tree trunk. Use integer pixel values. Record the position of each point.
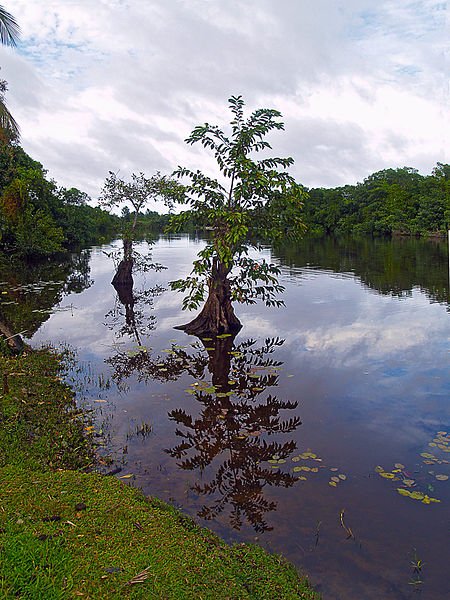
(123, 275)
(217, 316)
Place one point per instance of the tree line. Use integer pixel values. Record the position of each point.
(388, 202)
(38, 218)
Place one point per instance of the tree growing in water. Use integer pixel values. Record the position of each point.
(137, 193)
(254, 199)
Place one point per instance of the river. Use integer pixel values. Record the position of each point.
(322, 431)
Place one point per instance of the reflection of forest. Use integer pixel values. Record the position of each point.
(389, 266)
(228, 441)
(30, 290)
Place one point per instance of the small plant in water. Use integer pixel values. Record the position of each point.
(416, 565)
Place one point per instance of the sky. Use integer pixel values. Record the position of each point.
(117, 85)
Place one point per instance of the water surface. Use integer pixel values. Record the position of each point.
(281, 435)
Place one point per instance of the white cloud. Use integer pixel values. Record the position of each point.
(109, 84)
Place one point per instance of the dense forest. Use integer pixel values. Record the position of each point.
(389, 202)
(38, 218)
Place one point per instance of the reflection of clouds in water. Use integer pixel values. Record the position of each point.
(352, 328)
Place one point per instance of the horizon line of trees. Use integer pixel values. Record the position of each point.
(388, 202)
(39, 218)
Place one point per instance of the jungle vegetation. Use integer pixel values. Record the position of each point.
(38, 218)
(388, 202)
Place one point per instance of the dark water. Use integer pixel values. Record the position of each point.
(350, 377)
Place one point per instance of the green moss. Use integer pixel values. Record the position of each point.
(68, 534)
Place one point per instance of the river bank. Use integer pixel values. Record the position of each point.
(67, 532)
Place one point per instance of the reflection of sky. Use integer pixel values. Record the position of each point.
(370, 373)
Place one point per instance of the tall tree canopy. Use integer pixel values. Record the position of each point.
(253, 199)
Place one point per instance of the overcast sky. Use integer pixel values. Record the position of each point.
(99, 85)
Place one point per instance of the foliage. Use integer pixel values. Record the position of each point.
(9, 29)
(9, 35)
(137, 193)
(37, 218)
(9, 129)
(389, 202)
(252, 198)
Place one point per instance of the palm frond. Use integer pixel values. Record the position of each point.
(7, 122)
(9, 28)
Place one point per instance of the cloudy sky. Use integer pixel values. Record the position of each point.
(99, 85)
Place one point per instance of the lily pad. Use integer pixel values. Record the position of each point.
(388, 475)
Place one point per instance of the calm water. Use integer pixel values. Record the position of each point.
(299, 432)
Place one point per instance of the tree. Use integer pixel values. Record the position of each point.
(137, 193)
(254, 199)
(9, 35)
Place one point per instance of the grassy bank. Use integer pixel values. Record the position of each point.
(68, 533)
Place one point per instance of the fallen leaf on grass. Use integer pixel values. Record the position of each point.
(140, 578)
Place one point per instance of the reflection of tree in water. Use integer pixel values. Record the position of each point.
(229, 437)
(31, 290)
(388, 265)
(130, 316)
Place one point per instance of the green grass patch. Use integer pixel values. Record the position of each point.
(41, 426)
(68, 534)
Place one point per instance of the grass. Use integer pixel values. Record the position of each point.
(65, 533)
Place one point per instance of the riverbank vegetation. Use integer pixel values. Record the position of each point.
(67, 532)
(388, 202)
(38, 218)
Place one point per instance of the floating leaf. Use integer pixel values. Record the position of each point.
(129, 476)
(296, 459)
(297, 469)
(427, 455)
(442, 477)
(388, 475)
(332, 483)
(409, 482)
(417, 495)
(336, 479)
(378, 469)
(342, 476)
(399, 466)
